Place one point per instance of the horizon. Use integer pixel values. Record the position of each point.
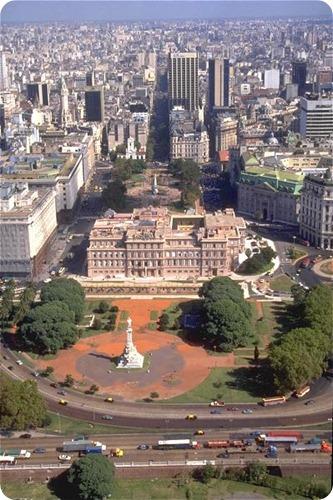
(18, 12)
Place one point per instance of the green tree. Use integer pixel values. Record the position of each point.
(26, 300)
(256, 473)
(222, 287)
(21, 405)
(114, 195)
(48, 327)
(66, 290)
(165, 322)
(93, 388)
(7, 301)
(103, 307)
(318, 309)
(226, 325)
(298, 358)
(205, 474)
(69, 380)
(91, 477)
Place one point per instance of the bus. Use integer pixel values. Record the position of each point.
(302, 392)
(176, 444)
(273, 401)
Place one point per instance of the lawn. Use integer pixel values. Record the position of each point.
(233, 385)
(180, 488)
(71, 426)
(281, 283)
(267, 325)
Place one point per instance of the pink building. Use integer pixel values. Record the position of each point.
(152, 242)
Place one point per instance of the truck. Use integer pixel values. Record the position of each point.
(17, 453)
(81, 445)
(296, 434)
(7, 460)
(225, 444)
(302, 447)
(276, 440)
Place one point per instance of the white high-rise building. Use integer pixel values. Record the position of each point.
(4, 78)
(65, 117)
(272, 79)
(316, 117)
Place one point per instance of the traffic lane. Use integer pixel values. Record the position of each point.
(179, 423)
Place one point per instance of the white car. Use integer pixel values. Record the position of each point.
(19, 362)
(65, 458)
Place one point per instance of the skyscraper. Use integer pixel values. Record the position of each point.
(316, 117)
(299, 76)
(38, 93)
(65, 116)
(272, 78)
(183, 80)
(94, 101)
(219, 83)
(90, 78)
(4, 79)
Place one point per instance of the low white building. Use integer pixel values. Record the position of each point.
(28, 224)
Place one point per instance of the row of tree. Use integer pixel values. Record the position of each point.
(51, 326)
(188, 173)
(227, 316)
(301, 354)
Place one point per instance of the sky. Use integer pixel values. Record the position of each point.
(123, 10)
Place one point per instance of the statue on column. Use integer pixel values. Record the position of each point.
(130, 357)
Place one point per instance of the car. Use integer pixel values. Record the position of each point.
(143, 447)
(108, 400)
(39, 450)
(4, 357)
(65, 458)
(107, 417)
(54, 384)
(19, 362)
(62, 393)
(247, 411)
(216, 403)
(199, 432)
(81, 437)
(25, 436)
(310, 402)
(191, 417)
(216, 412)
(35, 374)
(11, 368)
(63, 402)
(226, 454)
(233, 408)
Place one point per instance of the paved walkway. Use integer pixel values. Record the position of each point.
(317, 266)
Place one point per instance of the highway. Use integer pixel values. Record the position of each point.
(172, 416)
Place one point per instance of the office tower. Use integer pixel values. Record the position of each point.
(219, 83)
(94, 101)
(299, 75)
(272, 79)
(2, 119)
(183, 80)
(65, 117)
(38, 93)
(4, 78)
(90, 79)
(316, 117)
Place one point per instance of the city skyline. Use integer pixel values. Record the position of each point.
(164, 10)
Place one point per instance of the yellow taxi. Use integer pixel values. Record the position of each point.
(108, 400)
(191, 417)
(63, 402)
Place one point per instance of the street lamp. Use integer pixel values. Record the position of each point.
(294, 239)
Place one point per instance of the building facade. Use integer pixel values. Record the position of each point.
(190, 146)
(316, 213)
(94, 103)
(28, 224)
(225, 133)
(316, 117)
(298, 76)
(264, 196)
(218, 83)
(154, 243)
(183, 80)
